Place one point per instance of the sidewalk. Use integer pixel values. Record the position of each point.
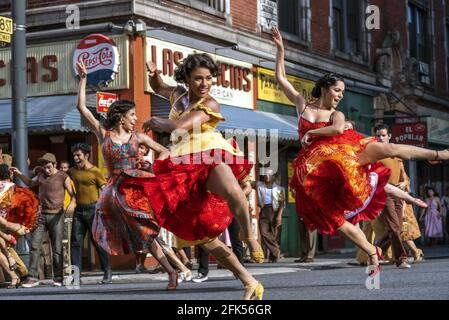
(335, 258)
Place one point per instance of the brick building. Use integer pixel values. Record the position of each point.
(394, 56)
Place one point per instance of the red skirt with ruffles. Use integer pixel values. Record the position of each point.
(178, 198)
(24, 208)
(332, 187)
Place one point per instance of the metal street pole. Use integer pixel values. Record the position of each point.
(19, 87)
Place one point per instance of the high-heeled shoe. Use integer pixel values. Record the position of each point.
(15, 283)
(185, 276)
(172, 280)
(256, 255)
(418, 256)
(375, 269)
(254, 292)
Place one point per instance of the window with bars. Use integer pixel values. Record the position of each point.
(293, 18)
(347, 27)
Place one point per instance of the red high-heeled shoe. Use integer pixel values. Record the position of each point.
(376, 268)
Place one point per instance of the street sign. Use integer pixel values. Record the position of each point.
(6, 29)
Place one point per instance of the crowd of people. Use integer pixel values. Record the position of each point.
(193, 190)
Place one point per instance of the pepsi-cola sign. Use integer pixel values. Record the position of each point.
(100, 56)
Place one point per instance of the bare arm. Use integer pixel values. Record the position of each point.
(164, 153)
(156, 82)
(194, 118)
(93, 123)
(68, 186)
(294, 96)
(29, 182)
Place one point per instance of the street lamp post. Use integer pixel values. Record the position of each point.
(19, 87)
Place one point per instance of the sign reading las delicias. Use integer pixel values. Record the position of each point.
(234, 85)
(104, 100)
(100, 56)
(410, 133)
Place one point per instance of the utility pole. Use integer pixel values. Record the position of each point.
(19, 87)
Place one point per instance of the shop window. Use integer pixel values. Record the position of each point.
(417, 19)
(348, 30)
(293, 19)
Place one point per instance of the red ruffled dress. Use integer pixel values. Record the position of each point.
(19, 205)
(177, 196)
(331, 186)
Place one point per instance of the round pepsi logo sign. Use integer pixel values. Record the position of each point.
(100, 56)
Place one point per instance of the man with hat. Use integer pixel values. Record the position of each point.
(52, 186)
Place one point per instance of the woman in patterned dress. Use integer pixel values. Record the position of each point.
(117, 229)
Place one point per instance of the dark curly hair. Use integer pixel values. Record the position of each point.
(115, 112)
(5, 174)
(194, 61)
(325, 82)
(83, 147)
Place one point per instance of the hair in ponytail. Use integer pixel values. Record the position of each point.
(325, 82)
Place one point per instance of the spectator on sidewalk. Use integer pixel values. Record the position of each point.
(445, 208)
(432, 217)
(271, 200)
(52, 185)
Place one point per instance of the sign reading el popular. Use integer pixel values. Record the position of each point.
(414, 134)
(234, 85)
(268, 89)
(49, 67)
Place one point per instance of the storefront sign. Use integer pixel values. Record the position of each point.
(234, 85)
(50, 68)
(268, 13)
(104, 100)
(410, 133)
(268, 89)
(100, 56)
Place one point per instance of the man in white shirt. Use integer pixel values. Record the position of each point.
(271, 200)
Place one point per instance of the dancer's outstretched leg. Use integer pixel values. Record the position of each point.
(222, 182)
(377, 151)
(156, 250)
(395, 192)
(225, 256)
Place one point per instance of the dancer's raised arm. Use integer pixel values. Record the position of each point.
(281, 77)
(156, 82)
(150, 143)
(92, 122)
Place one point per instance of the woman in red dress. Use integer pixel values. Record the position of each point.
(197, 187)
(337, 177)
(116, 228)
